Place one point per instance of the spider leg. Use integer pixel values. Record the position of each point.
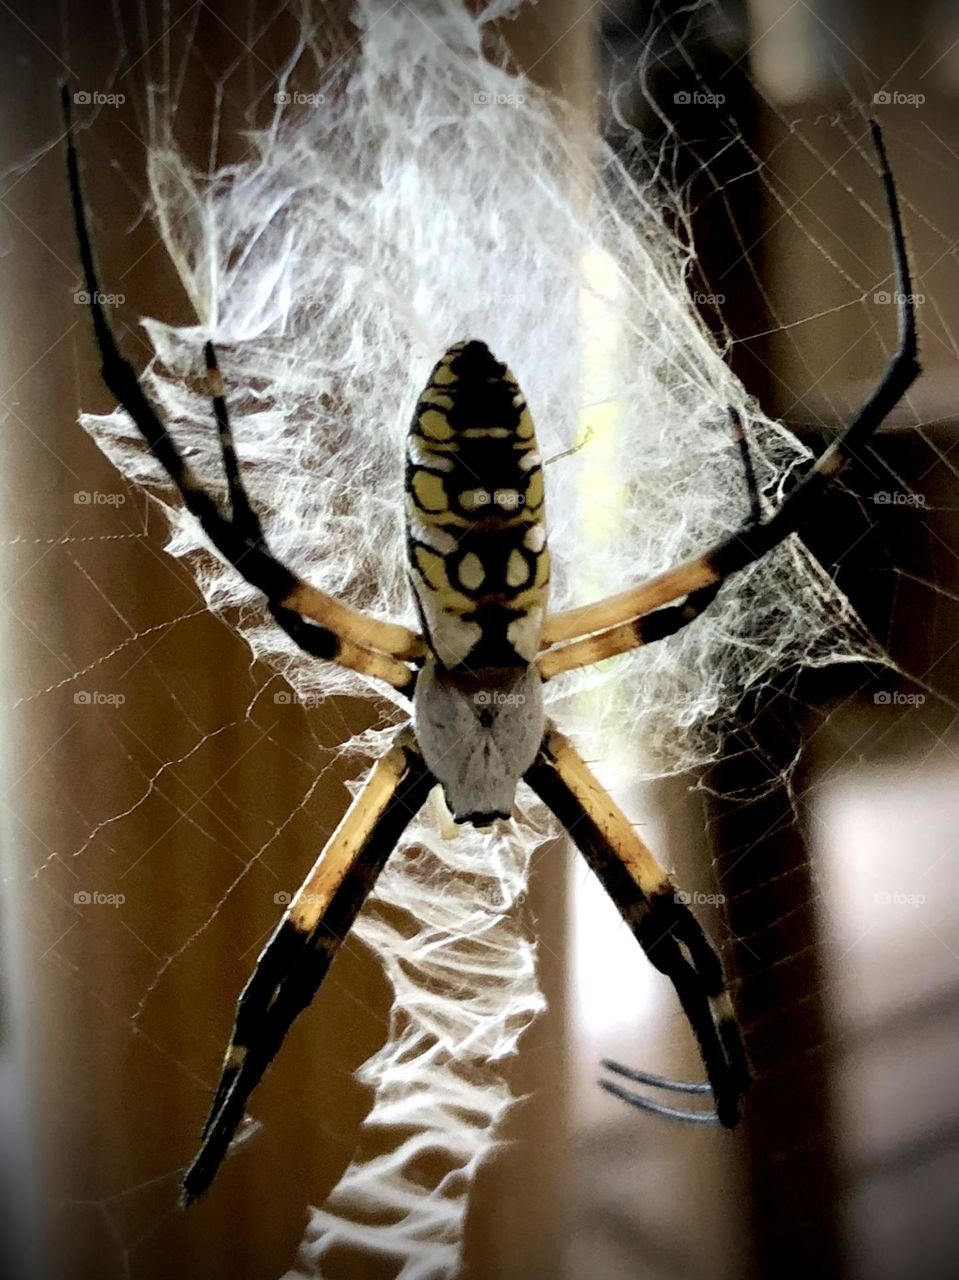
(749, 471)
(643, 1103)
(338, 632)
(663, 1109)
(650, 905)
(672, 618)
(243, 517)
(295, 960)
(613, 625)
(318, 641)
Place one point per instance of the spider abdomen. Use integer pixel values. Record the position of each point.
(478, 558)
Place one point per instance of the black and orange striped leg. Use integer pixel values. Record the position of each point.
(298, 955)
(590, 633)
(666, 622)
(327, 628)
(650, 905)
(318, 641)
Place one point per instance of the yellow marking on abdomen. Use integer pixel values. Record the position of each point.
(439, 398)
(434, 423)
(430, 492)
(504, 580)
(432, 567)
(471, 572)
(517, 570)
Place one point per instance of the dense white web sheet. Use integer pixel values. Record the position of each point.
(416, 195)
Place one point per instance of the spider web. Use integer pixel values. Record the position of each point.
(376, 206)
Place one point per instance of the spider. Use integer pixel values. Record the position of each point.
(479, 570)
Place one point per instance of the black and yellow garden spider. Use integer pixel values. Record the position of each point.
(479, 568)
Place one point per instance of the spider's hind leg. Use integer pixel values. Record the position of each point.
(655, 912)
(297, 957)
(644, 1103)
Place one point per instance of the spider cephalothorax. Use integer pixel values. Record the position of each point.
(480, 571)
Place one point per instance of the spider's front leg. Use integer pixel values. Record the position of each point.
(581, 636)
(298, 955)
(661, 622)
(321, 625)
(650, 905)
